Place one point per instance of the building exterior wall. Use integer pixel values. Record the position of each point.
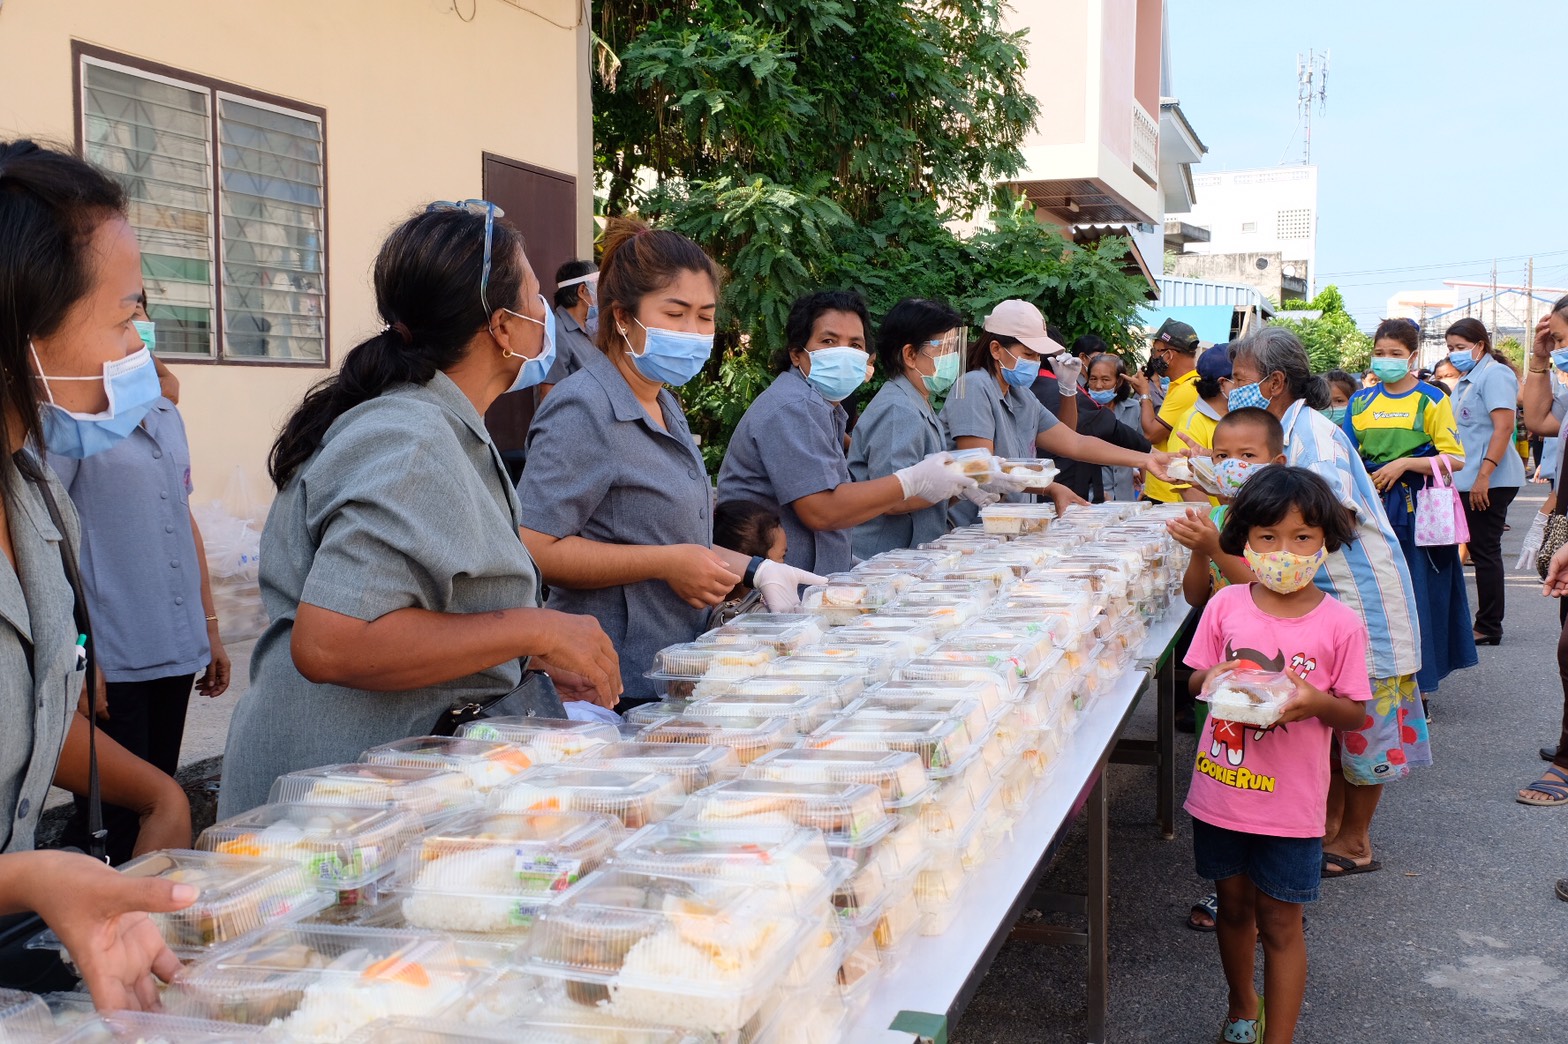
(1269, 210)
(1262, 272)
(413, 97)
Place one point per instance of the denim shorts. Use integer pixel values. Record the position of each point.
(1288, 869)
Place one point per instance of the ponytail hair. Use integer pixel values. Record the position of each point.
(427, 295)
(51, 204)
(639, 261)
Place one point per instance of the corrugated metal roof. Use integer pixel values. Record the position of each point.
(1179, 293)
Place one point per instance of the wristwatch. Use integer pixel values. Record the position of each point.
(750, 579)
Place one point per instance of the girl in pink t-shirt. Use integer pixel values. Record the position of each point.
(1259, 797)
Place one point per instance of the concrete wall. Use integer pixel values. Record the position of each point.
(413, 96)
(1243, 268)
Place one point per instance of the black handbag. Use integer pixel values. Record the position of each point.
(534, 697)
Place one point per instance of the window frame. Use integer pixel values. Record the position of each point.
(82, 53)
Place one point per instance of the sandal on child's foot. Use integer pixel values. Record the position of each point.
(1243, 1031)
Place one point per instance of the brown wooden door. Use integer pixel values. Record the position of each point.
(543, 205)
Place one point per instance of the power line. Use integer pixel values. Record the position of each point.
(1439, 264)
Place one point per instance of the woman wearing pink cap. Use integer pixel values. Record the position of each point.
(992, 408)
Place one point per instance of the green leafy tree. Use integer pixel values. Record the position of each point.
(812, 143)
(1332, 340)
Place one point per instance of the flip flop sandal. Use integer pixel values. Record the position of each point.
(1243, 1031)
(1209, 904)
(1346, 867)
(1555, 789)
(1562, 890)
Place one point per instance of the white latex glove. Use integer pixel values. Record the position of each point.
(1004, 483)
(980, 496)
(933, 479)
(1067, 368)
(780, 585)
(1532, 542)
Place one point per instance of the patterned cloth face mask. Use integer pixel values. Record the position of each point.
(1232, 472)
(1284, 572)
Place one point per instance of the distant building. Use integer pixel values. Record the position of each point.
(1262, 230)
(1506, 310)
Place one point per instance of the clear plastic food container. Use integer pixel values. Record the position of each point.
(341, 847)
(869, 661)
(846, 813)
(791, 859)
(636, 798)
(978, 464)
(694, 767)
(1022, 657)
(984, 689)
(236, 895)
(846, 596)
(942, 743)
(920, 631)
(645, 714)
(791, 675)
(939, 890)
(955, 807)
(749, 738)
(549, 736)
(693, 660)
(487, 763)
(1017, 519)
(785, 632)
(1032, 595)
(1248, 697)
(138, 1027)
(914, 561)
(323, 982)
(944, 610)
(897, 919)
(24, 1017)
(541, 1028)
(1035, 472)
(700, 952)
(428, 792)
(1049, 625)
(776, 698)
(898, 775)
(1005, 685)
(889, 704)
(1019, 779)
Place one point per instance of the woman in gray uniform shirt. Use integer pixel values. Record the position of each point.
(392, 570)
(994, 409)
(70, 278)
(616, 503)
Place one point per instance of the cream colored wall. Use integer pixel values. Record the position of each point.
(1119, 56)
(413, 97)
(1057, 74)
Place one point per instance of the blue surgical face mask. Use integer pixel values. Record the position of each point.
(1103, 396)
(132, 386)
(1023, 372)
(1462, 360)
(669, 356)
(1335, 414)
(836, 372)
(1165, 385)
(1391, 371)
(148, 332)
(534, 370)
(1248, 395)
(1560, 359)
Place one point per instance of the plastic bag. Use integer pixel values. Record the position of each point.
(231, 530)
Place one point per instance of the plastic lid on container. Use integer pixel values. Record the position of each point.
(235, 895)
(871, 656)
(693, 766)
(781, 698)
(985, 688)
(645, 714)
(488, 871)
(24, 1017)
(977, 464)
(889, 704)
(636, 798)
(139, 1027)
(541, 1028)
(693, 660)
(942, 743)
(1248, 697)
(862, 592)
(846, 813)
(557, 736)
(880, 624)
(340, 846)
(788, 677)
(898, 775)
(786, 632)
(1007, 686)
(485, 762)
(428, 792)
(1019, 656)
(792, 859)
(749, 738)
(698, 951)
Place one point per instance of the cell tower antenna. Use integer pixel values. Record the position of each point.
(1311, 88)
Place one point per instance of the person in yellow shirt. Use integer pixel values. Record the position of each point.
(1175, 353)
(1198, 423)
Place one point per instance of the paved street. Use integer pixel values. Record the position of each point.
(1459, 938)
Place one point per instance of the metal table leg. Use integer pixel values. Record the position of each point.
(1099, 909)
(1165, 741)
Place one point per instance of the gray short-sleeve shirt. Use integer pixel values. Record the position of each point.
(38, 693)
(600, 468)
(790, 444)
(1011, 422)
(896, 429)
(573, 349)
(406, 504)
(138, 557)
